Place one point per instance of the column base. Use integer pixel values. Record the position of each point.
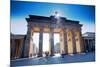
(39, 55)
(63, 55)
(74, 52)
(51, 54)
(25, 57)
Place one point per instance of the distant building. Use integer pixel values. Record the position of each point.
(16, 45)
(89, 41)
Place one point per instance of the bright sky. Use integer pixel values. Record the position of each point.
(45, 40)
(20, 10)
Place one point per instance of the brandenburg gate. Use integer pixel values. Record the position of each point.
(69, 30)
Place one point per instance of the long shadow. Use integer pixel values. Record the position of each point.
(89, 57)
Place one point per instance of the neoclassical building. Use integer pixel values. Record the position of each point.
(71, 41)
(89, 41)
(16, 45)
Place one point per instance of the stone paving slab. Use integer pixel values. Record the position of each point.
(88, 57)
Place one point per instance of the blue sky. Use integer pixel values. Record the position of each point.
(20, 10)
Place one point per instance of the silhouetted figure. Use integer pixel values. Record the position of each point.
(46, 53)
(63, 54)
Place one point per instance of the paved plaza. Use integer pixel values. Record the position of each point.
(87, 57)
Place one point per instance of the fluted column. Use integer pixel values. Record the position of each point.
(17, 48)
(40, 42)
(78, 41)
(73, 41)
(31, 44)
(93, 44)
(89, 45)
(51, 40)
(65, 42)
(13, 48)
(28, 42)
(20, 48)
(82, 46)
(85, 47)
(62, 51)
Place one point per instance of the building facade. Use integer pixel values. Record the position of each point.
(89, 41)
(16, 46)
(71, 41)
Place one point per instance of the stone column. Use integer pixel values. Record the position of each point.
(85, 47)
(93, 44)
(13, 48)
(31, 44)
(27, 42)
(73, 41)
(51, 40)
(82, 46)
(40, 42)
(62, 51)
(17, 47)
(88, 45)
(65, 41)
(18, 50)
(21, 48)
